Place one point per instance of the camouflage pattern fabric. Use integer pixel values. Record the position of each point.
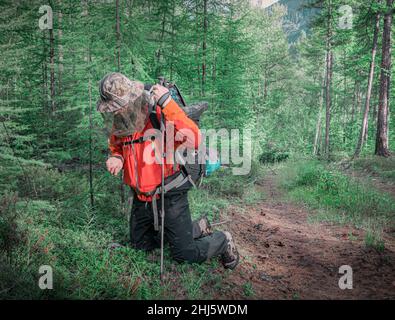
(120, 103)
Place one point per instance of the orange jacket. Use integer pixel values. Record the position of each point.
(149, 175)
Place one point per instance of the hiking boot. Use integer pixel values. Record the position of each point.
(204, 226)
(230, 258)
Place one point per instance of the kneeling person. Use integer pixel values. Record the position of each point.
(124, 105)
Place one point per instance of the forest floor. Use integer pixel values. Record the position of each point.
(295, 224)
(378, 182)
(284, 256)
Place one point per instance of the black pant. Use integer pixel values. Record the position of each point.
(183, 235)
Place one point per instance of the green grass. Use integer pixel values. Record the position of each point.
(85, 268)
(338, 198)
(56, 226)
(248, 290)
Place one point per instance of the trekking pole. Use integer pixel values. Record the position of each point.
(162, 229)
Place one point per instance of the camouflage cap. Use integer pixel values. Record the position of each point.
(116, 91)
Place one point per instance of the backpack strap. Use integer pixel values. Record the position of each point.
(139, 140)
(152, 116)
(175, 183)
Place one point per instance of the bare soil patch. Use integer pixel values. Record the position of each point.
(285, 257)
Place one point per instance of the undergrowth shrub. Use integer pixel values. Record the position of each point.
(273, 156)
(49, 184)
(381, 166)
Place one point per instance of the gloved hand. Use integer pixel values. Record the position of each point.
(158, 92)
(114, 165)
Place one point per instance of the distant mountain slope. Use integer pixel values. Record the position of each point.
(298, 17)
(263, 3)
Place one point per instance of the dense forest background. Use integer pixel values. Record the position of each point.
(311, 79)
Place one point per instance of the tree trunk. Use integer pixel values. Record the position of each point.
(354, 100)
(318, 126)
(364, 127)
(344, 107)
(265, 86)
(197, 45)
(45, 76)
(382, 117)
(205, 27)
(328, 81)
(60, 49)
(52, 68)
(213, 75)
(161, 41)
(118, 35)
(173, 40)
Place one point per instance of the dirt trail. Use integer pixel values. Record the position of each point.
(285, 257)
